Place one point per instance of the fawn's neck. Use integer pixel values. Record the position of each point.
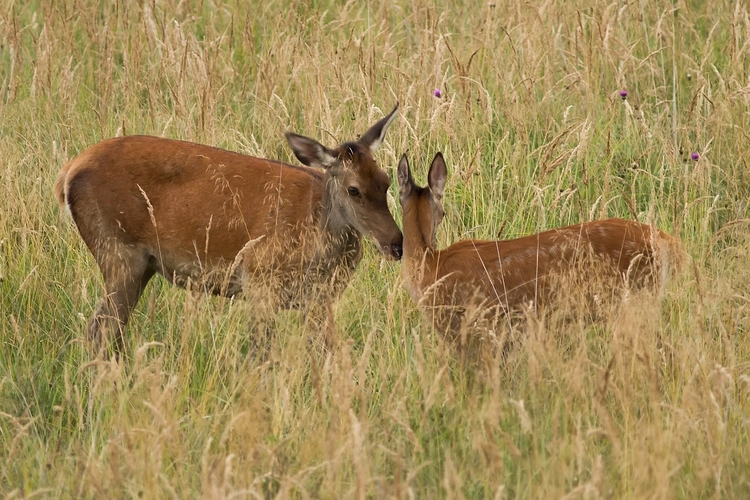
(417, 236)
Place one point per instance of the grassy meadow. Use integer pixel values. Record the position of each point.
(651, 402)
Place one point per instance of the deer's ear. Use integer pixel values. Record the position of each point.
(310, 152)
(373, 138)
(437, 176)
(405, 181)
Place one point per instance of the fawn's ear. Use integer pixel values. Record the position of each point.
(437, 176)
(373, 138)
(405, 181)
(310, 152)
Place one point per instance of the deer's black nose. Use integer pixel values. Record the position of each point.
(397, 250)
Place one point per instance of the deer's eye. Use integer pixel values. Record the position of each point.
(353, 191)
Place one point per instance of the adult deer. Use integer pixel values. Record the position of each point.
(225, 222)
(475, 279)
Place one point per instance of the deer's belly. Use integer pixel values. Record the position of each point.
(293, 280)
(218, 279)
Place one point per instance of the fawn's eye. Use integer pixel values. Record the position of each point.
(353, 191)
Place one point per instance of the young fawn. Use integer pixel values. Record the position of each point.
(228, 223)
(486, 280)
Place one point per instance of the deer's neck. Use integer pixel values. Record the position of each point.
(419, 253)
(340, 240)
(417, 240)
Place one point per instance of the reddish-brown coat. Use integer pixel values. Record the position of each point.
(501, 276)
(197, 193)
(224, 221)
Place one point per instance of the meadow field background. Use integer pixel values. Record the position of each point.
(651, 402)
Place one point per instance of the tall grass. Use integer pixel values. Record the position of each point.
(653, 402)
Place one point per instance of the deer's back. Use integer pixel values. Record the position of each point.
(186, 200)
(509, 273)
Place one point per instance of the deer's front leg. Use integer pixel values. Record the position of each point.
(320, 326)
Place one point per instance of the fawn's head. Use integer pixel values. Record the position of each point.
(422, 206)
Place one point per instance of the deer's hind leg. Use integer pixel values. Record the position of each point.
(126, 271)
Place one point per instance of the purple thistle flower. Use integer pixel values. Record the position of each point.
(437, 93)
(624, 94)
(695, 156)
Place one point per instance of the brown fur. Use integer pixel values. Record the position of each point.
(499, 277)
(223, 221)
